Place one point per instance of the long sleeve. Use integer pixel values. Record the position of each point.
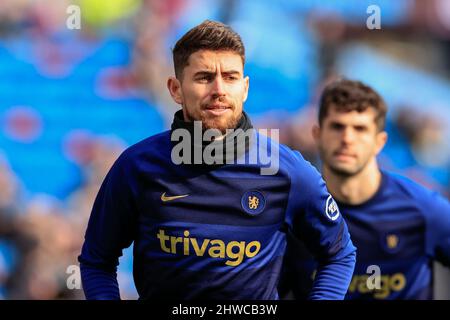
(110, 230)
(333, 278)
(315, 219)
(99, 284)
(437, 210)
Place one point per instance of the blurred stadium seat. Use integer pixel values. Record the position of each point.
(71, 100)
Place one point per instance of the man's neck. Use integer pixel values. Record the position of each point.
(354, 190)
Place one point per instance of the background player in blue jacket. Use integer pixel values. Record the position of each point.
(211, 231)
(398, 226)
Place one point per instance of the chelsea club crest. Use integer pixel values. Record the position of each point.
(253, 202)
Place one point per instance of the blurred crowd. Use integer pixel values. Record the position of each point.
(44, 234)
(41, 234)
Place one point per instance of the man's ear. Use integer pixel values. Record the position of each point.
(174, 86)
(316, 132)
(381, 140)
(246, 84)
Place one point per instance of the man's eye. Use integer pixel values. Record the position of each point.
(336, 126)
(204, 78)
(360, 128)
(231, 78)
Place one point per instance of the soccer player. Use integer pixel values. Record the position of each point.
(211, 230)
(398, 226)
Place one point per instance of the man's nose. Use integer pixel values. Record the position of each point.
(348, 136)
(218, 87)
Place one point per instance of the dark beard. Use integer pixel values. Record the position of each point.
(345, 173)
(230, 123)
(340, 172)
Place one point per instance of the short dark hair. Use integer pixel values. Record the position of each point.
(348, 95)
(209, 35)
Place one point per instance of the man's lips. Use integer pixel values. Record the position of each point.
(217, 109)
(217, 106)
(344, 155)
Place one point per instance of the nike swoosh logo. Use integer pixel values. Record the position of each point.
(165, 198)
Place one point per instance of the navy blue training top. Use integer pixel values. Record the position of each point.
(401, 229)
(214, 232)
